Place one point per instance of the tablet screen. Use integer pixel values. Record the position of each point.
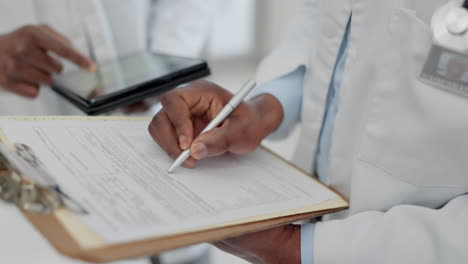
(122, 74)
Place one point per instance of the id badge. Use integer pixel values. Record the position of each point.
(446, 66)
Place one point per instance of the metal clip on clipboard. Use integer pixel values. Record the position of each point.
(450, 26)
(25, 183)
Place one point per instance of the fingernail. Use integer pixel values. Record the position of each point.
(183, 142)
(199, 151)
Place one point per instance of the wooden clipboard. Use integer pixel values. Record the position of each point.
(71, 237)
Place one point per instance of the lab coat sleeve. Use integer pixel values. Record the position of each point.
(282, 65)
(288, 91)
(181, 27)
(403, 234)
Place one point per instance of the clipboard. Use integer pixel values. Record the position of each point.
(59, 223)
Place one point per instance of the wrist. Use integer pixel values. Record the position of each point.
(288, 247)
(269, 110)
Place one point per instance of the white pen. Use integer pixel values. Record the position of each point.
(225, 112)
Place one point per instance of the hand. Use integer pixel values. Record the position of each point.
(275, 246)
(186, 111)
(25, 62)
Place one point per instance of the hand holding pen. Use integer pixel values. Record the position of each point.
(188, 111)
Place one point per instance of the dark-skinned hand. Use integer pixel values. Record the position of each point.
(26, 61)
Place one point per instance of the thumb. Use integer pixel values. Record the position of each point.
(213, 143)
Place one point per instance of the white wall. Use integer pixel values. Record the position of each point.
(273, 17)
(233, 32)
(248, 29)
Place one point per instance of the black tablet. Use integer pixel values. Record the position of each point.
(127, 80)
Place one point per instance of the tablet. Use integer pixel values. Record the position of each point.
(127, 80)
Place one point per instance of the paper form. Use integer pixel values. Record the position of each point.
(118, 173)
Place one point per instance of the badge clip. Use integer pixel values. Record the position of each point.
(446, 66)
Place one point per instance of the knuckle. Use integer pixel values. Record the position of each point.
(167, 99)
(227, 143)
(172, 154)
(156, 122)
(212, 87)
(21, 48)
(11, 65)
(68, 54)
(155, 136)
(219, 146)
(76, 58)
(45, 27)
(23, 52)
(27, 32)
(152, 128)
(204, 84)
(28, 29)
(164, 99)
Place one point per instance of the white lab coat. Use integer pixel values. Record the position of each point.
(118, 28)
(399, 149)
